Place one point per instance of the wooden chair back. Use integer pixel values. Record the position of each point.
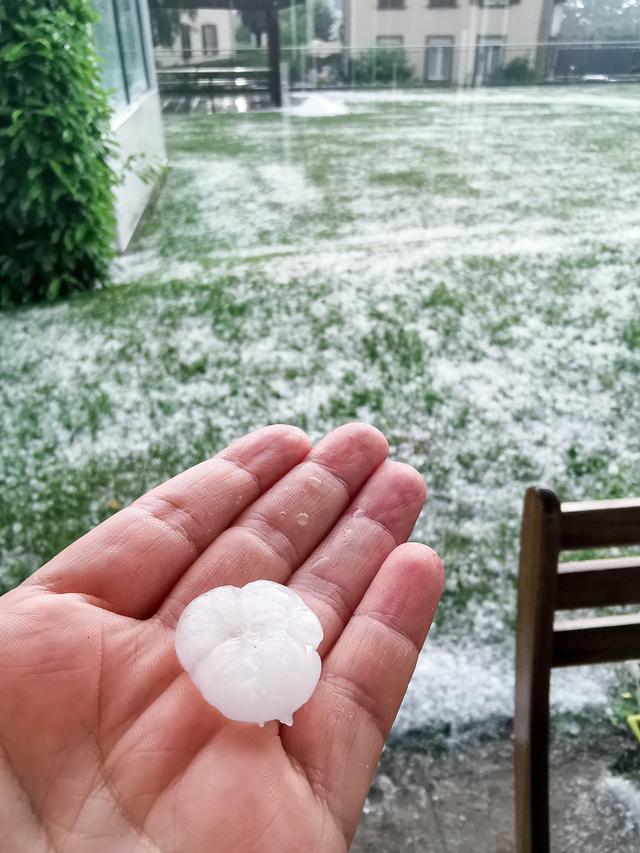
(544, 586)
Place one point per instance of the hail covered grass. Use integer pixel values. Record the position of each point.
(460, 270)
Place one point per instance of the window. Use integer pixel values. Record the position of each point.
(106, 38)
(442, 4)
(120, 43)
(390, 4)
(439, 59)
(209, 39)
(130, 28)
(488, 57)
(389, 41)
(185, 40)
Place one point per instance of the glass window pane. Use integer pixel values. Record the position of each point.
(106, 39)
(488, 57)
(132, 47)
(439, 58)
(210, 39)
(185, 41)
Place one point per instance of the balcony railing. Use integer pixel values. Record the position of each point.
(437, 63)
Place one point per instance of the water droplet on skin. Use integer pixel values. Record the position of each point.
(314, 484)
(282, 513)
(347, 533)
(261, 725)
(358, 513)
(302, 519)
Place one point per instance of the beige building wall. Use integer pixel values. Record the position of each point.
(224, 22)
(517, 27)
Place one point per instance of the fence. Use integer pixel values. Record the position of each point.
(438, 63)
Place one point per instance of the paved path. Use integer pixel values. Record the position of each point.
(462, 802)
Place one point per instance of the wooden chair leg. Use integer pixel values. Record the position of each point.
(539, 549)
(532, 772)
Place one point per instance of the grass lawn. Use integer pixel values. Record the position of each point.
(461, 270)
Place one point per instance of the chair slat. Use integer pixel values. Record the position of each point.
(600, 640)
(598, 583)
(600, 524)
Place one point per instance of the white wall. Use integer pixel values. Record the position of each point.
(138, 131)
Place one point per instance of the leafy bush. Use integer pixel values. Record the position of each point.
(382, 65)
(516, 72)
(56, 184)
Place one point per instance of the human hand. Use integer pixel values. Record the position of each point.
(106, 744)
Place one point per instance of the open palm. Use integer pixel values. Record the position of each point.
(105, 743)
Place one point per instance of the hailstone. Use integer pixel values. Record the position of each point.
(251, 650)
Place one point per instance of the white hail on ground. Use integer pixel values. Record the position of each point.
(251, 651)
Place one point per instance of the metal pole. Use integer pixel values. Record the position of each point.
(308, 6)
(273, 37)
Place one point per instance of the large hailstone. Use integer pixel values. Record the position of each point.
(251, 650)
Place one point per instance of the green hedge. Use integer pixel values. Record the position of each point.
(382, 65)
(516, 73)
(56, 184)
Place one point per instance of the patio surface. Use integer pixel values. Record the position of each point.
(463, 801)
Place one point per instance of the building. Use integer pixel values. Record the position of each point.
(458, 42)
(203, 34)
(123, 39)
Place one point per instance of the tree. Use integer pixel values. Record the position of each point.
(256, 22)
(166, 20)
(293, 21)
(601, 19)
(322, 20)
(165, 23)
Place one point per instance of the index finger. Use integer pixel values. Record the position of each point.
(132, 560)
